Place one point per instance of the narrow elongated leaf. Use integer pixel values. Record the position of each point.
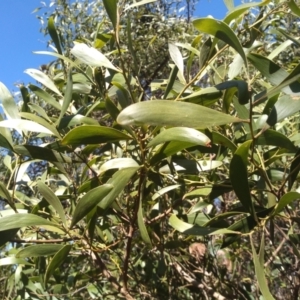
(180, 134)
(171, 81)
(139, 3)
(53, 33)
(239, 10)
(119, 180)
(260, 274)
(26, 125)
(195, 229)
(177, 58)
(118, 163)
(43, 79)
(23, 220)
(169, 149)
(13, 261)
(56, 261)
(91, 56)
(93, 135)
(239, 177)
(5, 143)
(294, 7)
(9, 105)
(285, 106)
(112, 11)
(294, 169)
(164, 190)
(42, 153)
(39, 250)
(286, 200)
(221, 31)
(41, 122)
(171, 113)
(67, 97)
(52, 199)
(142, 226)
(45, 96)
(89, 201)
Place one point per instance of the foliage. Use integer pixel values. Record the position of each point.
(185, 193)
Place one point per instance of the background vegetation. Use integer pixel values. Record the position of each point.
(156, 157)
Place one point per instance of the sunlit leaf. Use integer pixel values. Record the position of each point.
(171, 113)
(285, 200)
(221, 31)
(8, 103)
(43, 79)
(91, 56)
(180, 134)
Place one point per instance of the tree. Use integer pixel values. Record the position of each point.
(191, 194)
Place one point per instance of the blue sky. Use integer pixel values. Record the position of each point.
(20, 36)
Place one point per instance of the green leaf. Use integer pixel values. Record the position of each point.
(285, 200)
(89, 201)
(164, 190)
(294, 7)
(53, 33)
(294, 169)
(177, 58)
(169, 149)
(41, 122)
(196, 230)
(38, 250)
(242, 89)
(260, 274)
(67, 97)
(171, 113)
(45, 96)
(171, 80)
(239, 10)
(56, 261)
(118, 163)
(42, 153)
(142, 226)
(239, 177)
(221, 31)
(73, 120)
(23, 220)
(43, 79)
(285, 106)
(53, 200)
(272, 138)
(92, 57)
(112, 10)
(26, 125)
(180, 134)
(119, 180)
(93, 135)
(9, 105)
(6, 261)
(139, 3)
(282, 80)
